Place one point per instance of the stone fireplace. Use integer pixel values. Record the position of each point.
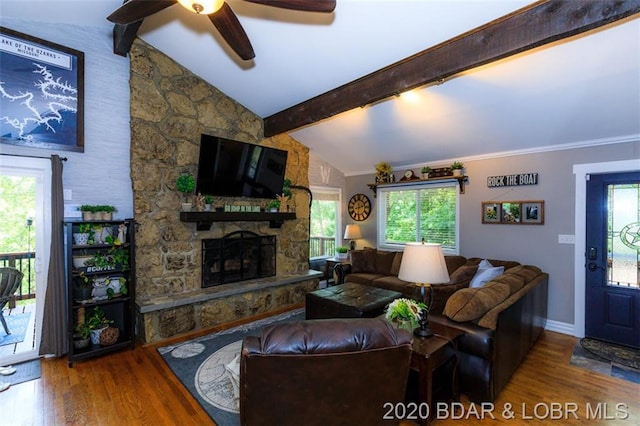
(170, 109)
(239, 256)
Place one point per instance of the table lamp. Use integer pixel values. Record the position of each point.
(352, 232)
(424, 264)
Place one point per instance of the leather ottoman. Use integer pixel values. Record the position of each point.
(348, 300)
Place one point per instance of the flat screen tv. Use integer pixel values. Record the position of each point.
(237, 169)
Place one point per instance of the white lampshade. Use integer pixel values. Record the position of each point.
(423, 263)
(352, 232)
(204, 7)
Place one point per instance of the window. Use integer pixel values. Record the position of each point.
(325, 222)
(417, 212)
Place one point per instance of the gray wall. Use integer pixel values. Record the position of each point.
(532, 244)
(100, 175)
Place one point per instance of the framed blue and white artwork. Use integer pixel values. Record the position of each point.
(41, 93)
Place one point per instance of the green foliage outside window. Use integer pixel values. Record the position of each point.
(428, 213)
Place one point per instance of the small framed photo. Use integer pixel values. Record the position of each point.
(491, 212)
(510, 212)
(533, 212)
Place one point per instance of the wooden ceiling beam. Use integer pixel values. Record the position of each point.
(530, 27)
(123, 37)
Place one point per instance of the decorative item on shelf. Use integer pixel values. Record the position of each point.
(456, 168)
(208, 199)
(97, 212)
(425, 172)
(342, 252)
(122, 233)
(352, 232)
(409, 175)
(273, 206)
(97, 323)
(423, 264)
(285, 197)
(100, 286)
(198, 203)
(383, 172)
(109, 336)
(185, 183)
(404, 313)
(82, 288)
(82, 335)
(81, 238)
(81, 260)
(117, 287)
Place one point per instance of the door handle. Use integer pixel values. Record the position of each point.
(594, 267)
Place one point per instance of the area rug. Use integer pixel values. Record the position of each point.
(605, 358)
(25, 371)
(17, 324)
(200, 364)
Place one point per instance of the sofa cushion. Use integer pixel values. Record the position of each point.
(363, 278)
(494, 262)
(384, 261)
(395, 266)
(391, 282)
(454, 262)
(469, 304)
(363, 261)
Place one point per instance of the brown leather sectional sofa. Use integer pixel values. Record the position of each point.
(501, 320)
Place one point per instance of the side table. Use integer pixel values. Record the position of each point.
(331, 263)
(428, 355)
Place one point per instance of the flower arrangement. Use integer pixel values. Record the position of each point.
(383, 168)
(404, 310)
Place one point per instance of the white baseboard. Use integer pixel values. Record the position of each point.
(560, 327)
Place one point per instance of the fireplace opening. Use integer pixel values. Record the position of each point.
(238, 256)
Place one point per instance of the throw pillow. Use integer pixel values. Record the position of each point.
(363, 261)
(469, 304)
(462, 274)
(384, 261)
(485, 275)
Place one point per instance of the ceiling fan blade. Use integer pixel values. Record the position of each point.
(325, 6)
(135, 10)
(226, 21)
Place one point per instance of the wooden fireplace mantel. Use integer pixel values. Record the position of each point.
(204, 220)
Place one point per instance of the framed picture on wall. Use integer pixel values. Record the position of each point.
(533, 212)
(510, 212)
(491, 212)
(41, 93)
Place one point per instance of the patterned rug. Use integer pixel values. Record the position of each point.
(200, 364)
(605, 358)
(17, 324)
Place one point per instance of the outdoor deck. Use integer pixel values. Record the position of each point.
(28, 344)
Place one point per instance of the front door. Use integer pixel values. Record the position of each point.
(613, 258)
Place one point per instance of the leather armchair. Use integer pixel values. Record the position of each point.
(323, 372)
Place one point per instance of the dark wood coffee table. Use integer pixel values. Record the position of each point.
(428, 355)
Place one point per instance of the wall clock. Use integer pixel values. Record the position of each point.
(359, 207)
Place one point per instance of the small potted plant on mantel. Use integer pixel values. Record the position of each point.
(185, 183)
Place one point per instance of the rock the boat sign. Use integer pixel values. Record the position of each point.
(512, 180)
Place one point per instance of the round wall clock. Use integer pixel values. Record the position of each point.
(359, 207)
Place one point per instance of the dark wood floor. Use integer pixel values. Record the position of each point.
(137, 388)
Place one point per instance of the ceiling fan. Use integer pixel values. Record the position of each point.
(220, 14)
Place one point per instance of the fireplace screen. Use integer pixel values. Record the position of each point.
(238, 256)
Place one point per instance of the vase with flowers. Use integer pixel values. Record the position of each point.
(405, 313)
(383, 172)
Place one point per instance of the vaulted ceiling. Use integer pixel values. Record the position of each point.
(577, 91)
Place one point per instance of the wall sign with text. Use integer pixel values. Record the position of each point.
(512, 180)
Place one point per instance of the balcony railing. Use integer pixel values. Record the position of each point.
(25, 262)
(322, 247)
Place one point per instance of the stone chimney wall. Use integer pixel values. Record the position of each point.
(170, 109)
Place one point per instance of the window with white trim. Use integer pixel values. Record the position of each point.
(409, 213)
(325, 222)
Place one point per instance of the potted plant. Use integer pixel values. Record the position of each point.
(208, 199)
(84, 236)
(88, 212)
(185, 183)
(82, 260)
(273, 206)
(405, 313)
(81, 335)
(425, 172)
(105, 212)
(117, 287)
(456, 167)
(97, 322)
(341, 252)
(82, 288)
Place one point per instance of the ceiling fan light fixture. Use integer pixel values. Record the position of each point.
(202, 7)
